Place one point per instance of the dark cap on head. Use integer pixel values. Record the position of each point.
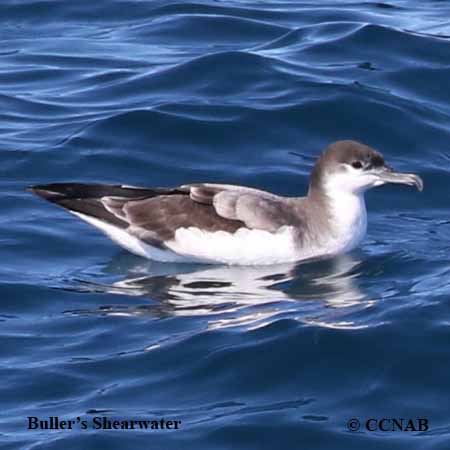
(343, 152)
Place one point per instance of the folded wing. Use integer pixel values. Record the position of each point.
(154, 215)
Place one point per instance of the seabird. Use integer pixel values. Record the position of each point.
(222, 223)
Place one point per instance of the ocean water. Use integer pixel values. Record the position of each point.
(160, 93)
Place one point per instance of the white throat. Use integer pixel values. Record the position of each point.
(348, 221)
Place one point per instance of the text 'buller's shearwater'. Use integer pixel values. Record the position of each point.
(221, 223)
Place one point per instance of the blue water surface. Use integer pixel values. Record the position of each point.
(160, 93)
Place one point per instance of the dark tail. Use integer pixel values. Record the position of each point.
(87, 198)
(56, 192)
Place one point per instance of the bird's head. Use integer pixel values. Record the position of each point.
(352, 167)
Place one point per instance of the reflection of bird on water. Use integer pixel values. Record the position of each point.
(249, 294)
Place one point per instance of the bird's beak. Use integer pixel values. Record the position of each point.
(387, 175)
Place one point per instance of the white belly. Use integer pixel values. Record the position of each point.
(244, 247)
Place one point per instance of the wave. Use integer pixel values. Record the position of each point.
(207, 30)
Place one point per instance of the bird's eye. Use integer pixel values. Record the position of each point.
(356, 164)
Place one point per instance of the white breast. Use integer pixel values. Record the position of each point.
(348, 224)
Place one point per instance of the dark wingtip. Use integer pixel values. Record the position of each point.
(46, 192)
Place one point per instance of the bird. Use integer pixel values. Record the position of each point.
(238, 225)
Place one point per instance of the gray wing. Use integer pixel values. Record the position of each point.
(210, 207)
(154, 215)
(255, 208)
